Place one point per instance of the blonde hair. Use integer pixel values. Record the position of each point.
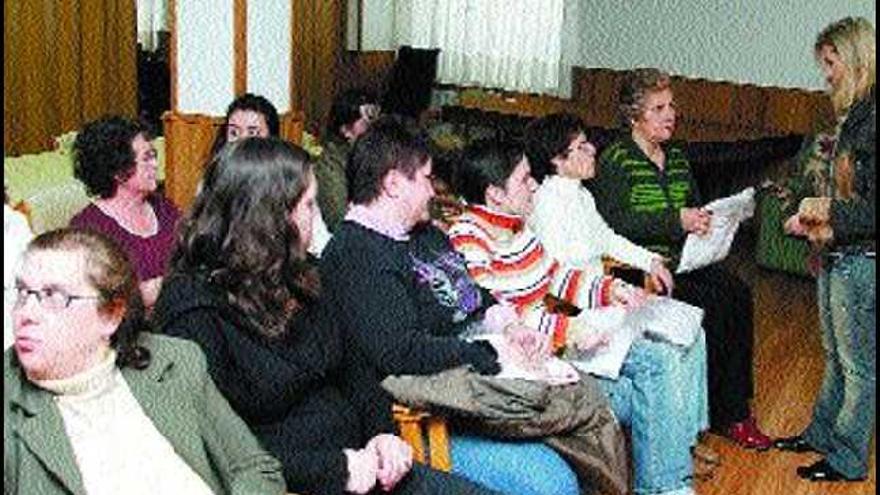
(852, 38)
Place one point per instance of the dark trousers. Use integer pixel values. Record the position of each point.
(728, 322)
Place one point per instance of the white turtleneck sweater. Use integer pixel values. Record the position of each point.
(117, 447)
(572, 230)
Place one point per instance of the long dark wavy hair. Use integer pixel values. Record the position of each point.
(110, 273)
(237, 232)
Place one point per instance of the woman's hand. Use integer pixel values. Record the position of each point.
(793, 226)
(363, 469)
(661, 277)
(695, 220)
(523, 347)
(498, 317)
(395, 458)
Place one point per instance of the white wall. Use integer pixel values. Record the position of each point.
(205, 56)
(765, 42)
(268, 50)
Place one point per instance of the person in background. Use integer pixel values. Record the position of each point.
(114, 159)
(837, 214)
(242, 288)
(350, 116)
(645, 191)
(16, 235)
(93, 403)
(660, 392)
(252, 115)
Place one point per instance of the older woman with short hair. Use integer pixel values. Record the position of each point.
(646, 192)
(839, 218)
(93, 404)
(114, 159)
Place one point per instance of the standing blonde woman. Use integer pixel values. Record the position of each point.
(838, 217)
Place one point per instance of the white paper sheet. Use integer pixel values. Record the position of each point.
(605, 361)
(667, 319)
(727, 214)
(554, 371)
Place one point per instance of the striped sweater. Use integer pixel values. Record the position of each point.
(641, 202)
(506, 258)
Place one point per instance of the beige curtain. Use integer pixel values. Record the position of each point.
(318, 29)
(65, 63)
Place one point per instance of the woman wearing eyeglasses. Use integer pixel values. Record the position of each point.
(350, 116)
(114, 159)
(92, 404)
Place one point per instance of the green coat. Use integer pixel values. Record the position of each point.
(175, 392)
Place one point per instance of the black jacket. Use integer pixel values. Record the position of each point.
(401, 307)
(285, 389)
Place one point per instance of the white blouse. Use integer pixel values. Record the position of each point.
(572, 230)
(117, 447)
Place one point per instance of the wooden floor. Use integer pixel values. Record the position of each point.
(788, 371)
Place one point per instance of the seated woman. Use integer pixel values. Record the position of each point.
(646, 192)
(350, 116)
(114, 159)
(252, 115)
(656, 393)
(408, 300)
(241, 287)
(93, 404)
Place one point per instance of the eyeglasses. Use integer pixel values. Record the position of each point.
(48, 298)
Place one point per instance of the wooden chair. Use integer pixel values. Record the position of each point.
(427, 434)
(609, 265)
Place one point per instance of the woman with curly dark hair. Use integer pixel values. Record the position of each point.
(114, 159)
(92, 403)
(241, 286)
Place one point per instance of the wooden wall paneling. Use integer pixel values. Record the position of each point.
(188, 140)
(749, 109)
(239, 27)
(292, 125)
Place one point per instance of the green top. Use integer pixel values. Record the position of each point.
(175, 392)
(332, 183)
(640, 201)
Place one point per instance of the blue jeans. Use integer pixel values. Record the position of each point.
(512, 468)
(844, 413)
(661, 395)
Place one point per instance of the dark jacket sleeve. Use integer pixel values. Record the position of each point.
(382, 318)
(259, 384)
(853, 220)
(611, 188)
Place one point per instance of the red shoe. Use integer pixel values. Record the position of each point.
(747, 435)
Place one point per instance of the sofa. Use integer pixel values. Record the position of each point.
(44, 182)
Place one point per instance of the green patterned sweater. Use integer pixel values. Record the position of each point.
(641, 202)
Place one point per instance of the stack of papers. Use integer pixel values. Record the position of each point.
(727, 214)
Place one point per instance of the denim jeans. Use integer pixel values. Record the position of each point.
(512, 468)
(661, 396)
(844, 413)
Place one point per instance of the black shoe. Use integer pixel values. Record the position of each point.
(794, 444)
(822, 471)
